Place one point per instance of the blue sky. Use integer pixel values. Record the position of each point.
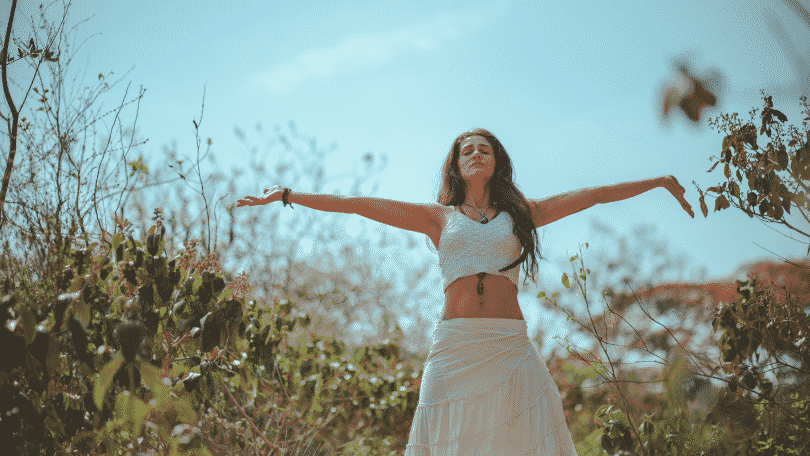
(570, 88)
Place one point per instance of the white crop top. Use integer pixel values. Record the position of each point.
(467, 247)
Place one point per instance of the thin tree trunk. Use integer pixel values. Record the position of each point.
(12, 151)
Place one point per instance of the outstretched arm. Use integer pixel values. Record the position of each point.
(421, 218)
(545, 211)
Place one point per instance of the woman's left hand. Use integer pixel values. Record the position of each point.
(671, 184)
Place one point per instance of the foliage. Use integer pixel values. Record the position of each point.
(760, 409)
(116, 344)
(76, 162)
(776, 175)
(337, 277)
(126, 349)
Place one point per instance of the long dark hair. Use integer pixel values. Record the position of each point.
(503, 194)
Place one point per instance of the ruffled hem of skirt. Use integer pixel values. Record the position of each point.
(482, 425)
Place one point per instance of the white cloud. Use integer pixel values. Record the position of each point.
(361, 52)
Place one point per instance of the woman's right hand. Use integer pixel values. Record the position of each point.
(270, 195)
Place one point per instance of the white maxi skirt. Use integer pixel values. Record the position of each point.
(485, 391)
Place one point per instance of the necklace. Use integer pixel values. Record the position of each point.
(484, 219)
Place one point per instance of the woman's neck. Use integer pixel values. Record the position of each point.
(477, 195)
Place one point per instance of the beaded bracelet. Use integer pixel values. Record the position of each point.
(284, 197)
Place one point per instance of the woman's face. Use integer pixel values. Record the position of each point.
(476, 159)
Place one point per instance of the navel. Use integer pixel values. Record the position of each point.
(480, 288)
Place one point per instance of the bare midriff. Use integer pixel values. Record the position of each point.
(499, 299)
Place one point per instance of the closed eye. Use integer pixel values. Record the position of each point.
(483, 151)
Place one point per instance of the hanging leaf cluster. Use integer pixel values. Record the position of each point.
(764, 181)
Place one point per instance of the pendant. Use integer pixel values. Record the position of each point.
(480, 288)
(484, 220)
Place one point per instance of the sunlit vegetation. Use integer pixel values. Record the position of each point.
(186, 327)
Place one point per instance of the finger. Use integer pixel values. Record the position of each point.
(688, 208)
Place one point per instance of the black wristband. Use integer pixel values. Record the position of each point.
(284, 197)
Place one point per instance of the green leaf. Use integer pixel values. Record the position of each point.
(117, 239)
(602, 413)
(185, 413)
(565, 280)
(81, 313)
(619, 415)
(53, 354)
(133, 410)
(542, 294)
(573, 258)
(713, 166)
(29, 324)
(105, 379)
(154, 380)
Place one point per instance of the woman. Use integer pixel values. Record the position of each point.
(484, 389)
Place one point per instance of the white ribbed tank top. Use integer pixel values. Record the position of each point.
(467, 247)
